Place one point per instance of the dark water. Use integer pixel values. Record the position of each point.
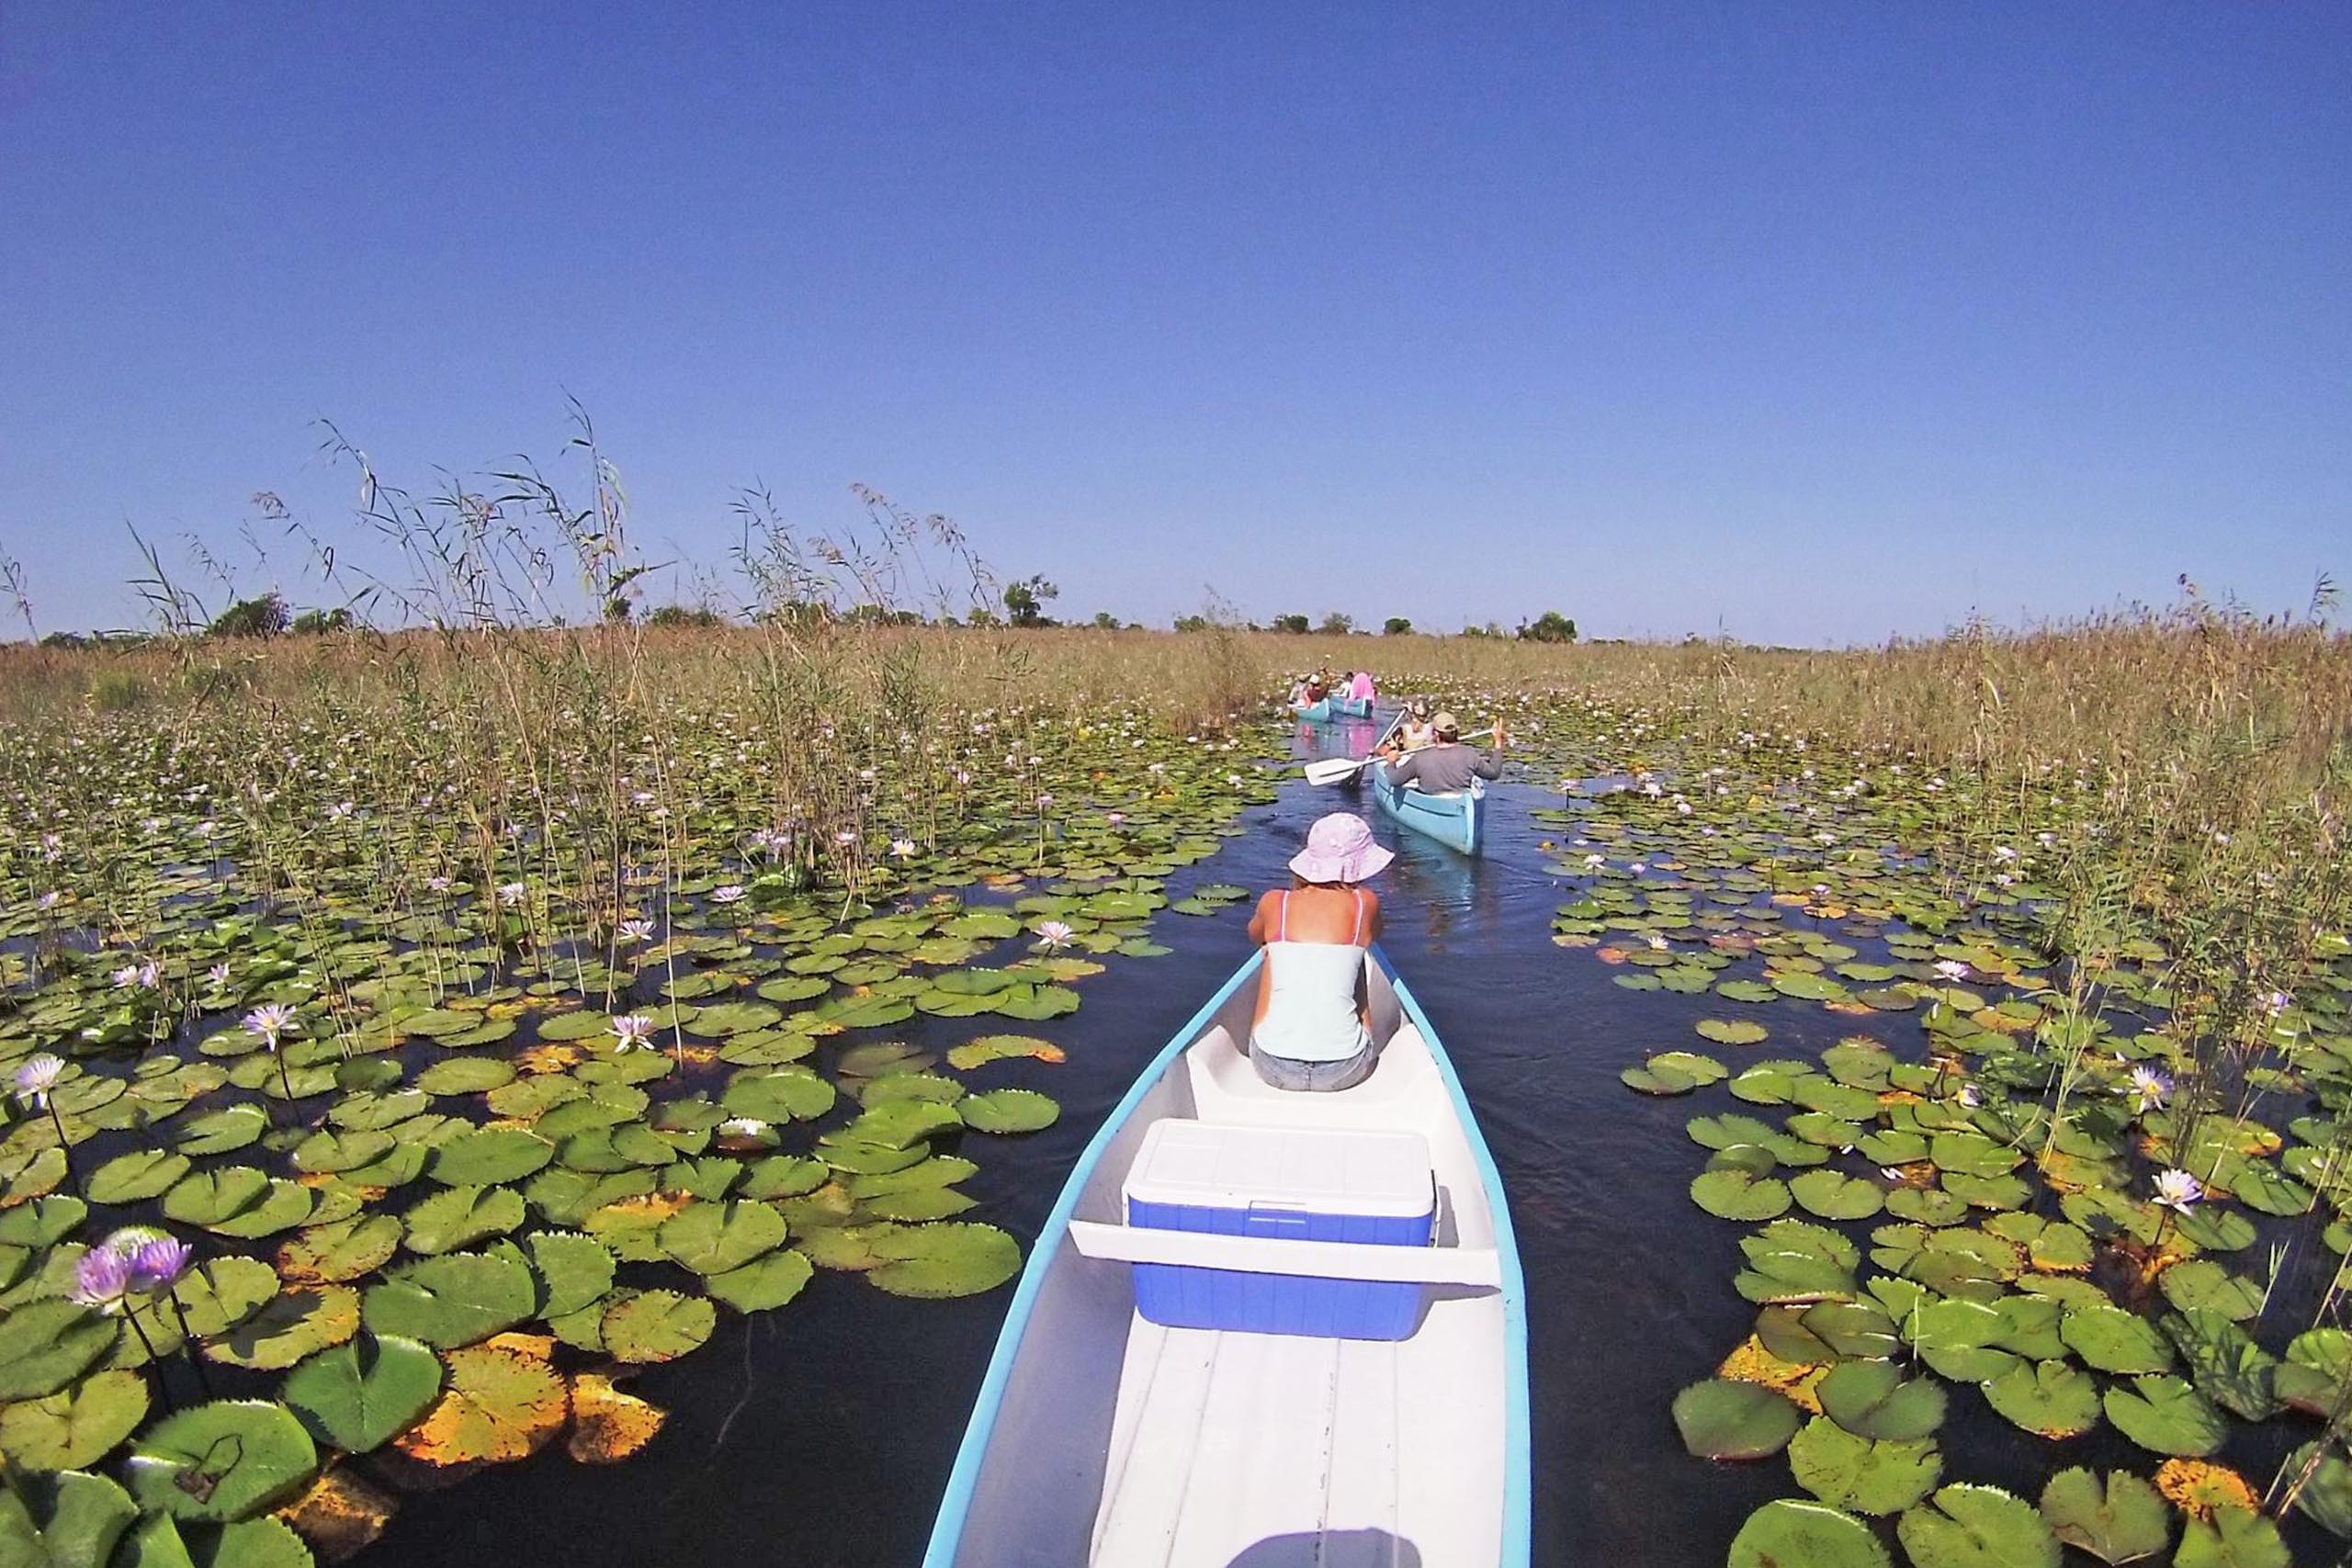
(823, 1434)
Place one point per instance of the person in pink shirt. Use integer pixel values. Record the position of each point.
(1360, 689)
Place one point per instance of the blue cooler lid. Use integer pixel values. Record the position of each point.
(1348, 1171)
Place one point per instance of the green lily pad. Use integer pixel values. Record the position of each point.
(70, 1519)
(2048, 1398)
(1848, 1472)
(575, 1271)
(2124, 1522)
(1966, 1526)
(460, 1216)
(2232, 1538)
(2113, 1340)
(344, 1250)
(466, 1074)
(364, 1393)
(764, 1283)
(489, 1156)
(229, 1459)
(1723, 1420)
(935, 1261)
(452, 1300)
(44, 1345)
(656, 1326)
(1789, 1533)
(1872, 1399)
(76, 1426)
(715, 1237)
(784, 1094)
(1739, 1194)
(1008, 1111)
(136, 1177)
(1834, 1196)
(2166, 1415)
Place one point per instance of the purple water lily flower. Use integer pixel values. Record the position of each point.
(158, 1264)
(2152, 1088)
(102, 1279)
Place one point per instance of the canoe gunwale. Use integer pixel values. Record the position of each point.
(1514, 1544)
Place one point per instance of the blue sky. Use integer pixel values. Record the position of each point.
(1807, 324)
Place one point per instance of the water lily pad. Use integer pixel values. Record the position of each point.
(763, 1284)
(1834, 1196)
(2113, 1340)
(76, 1426)
(1848, 1472)
(2166, 1415)
(229, 1459)
(1731, 1030)
(2225, 1363)
(715, 1237)
(452, 1300)
(1739, 1194)
(1788, 1533)
(136, 1177)
(1723, 1420)
(934, 1262)
(575, 1271)
(2202, 1282)
(2051, 1399)
(1966, 1526)
(2122, 1522)
(784, 1094)
(1872, 1399)
(222, 1293)
(501, 1404)
(461, 1216)
(607, 1423)
(44, 1345)
(364, 1393)
(70, 1519)
(290, 1327)
(1008, 1111)
(2232, 1538)
(656, 1326)
(489, 1156)
(341, 1251)
(466, 1074)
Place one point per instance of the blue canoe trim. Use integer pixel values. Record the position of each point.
(947, 1532)
(1518, 1462)
(955, 1507)
(1458, 823)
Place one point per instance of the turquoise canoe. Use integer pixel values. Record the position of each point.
(1104, 1436)
(1457, 821)
(1329, 708)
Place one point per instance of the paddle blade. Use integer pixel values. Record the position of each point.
(1331, 770)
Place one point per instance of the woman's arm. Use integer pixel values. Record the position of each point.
(1262, 920)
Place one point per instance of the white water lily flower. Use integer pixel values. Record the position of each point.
(632, 1032)
(1054, 933)
(2177, 1189)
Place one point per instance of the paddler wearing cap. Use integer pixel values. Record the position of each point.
(1313, 1027)
(1445, 766)
(1415, 730)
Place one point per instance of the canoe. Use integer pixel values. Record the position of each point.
(1324, 710)
(1103, 1436)
(1457, 821)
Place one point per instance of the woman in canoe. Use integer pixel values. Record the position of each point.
(1313, 1026)
(1415, 730)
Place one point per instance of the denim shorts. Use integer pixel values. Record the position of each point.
(1284, 1072)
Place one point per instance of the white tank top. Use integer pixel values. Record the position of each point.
(1311, 998)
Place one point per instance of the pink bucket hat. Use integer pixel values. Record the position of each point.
(1341, 848)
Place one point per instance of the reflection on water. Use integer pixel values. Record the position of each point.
(823, 1434)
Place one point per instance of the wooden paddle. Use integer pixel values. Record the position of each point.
(1338, 770)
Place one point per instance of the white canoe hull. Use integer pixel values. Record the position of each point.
(1100, 1438)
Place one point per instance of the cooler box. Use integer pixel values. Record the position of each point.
(1300, 1184)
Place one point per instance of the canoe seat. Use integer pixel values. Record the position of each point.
(1473, 1266)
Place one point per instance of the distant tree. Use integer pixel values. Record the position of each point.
(683, 615)
(1192, 623)
(1024, 603)
(1296, 625)
(264, 617)
(1105, 620)
(617, 609)
(1549, 627)
(1337, 624)
(1492, 628)
(69, 640)
(980, 615)
(1396, 625)
(319, 623)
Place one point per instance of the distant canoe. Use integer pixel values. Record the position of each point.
(1329, 708)
(1457, 821)
(1101, 1437)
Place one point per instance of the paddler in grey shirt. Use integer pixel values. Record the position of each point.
(1447, 767)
